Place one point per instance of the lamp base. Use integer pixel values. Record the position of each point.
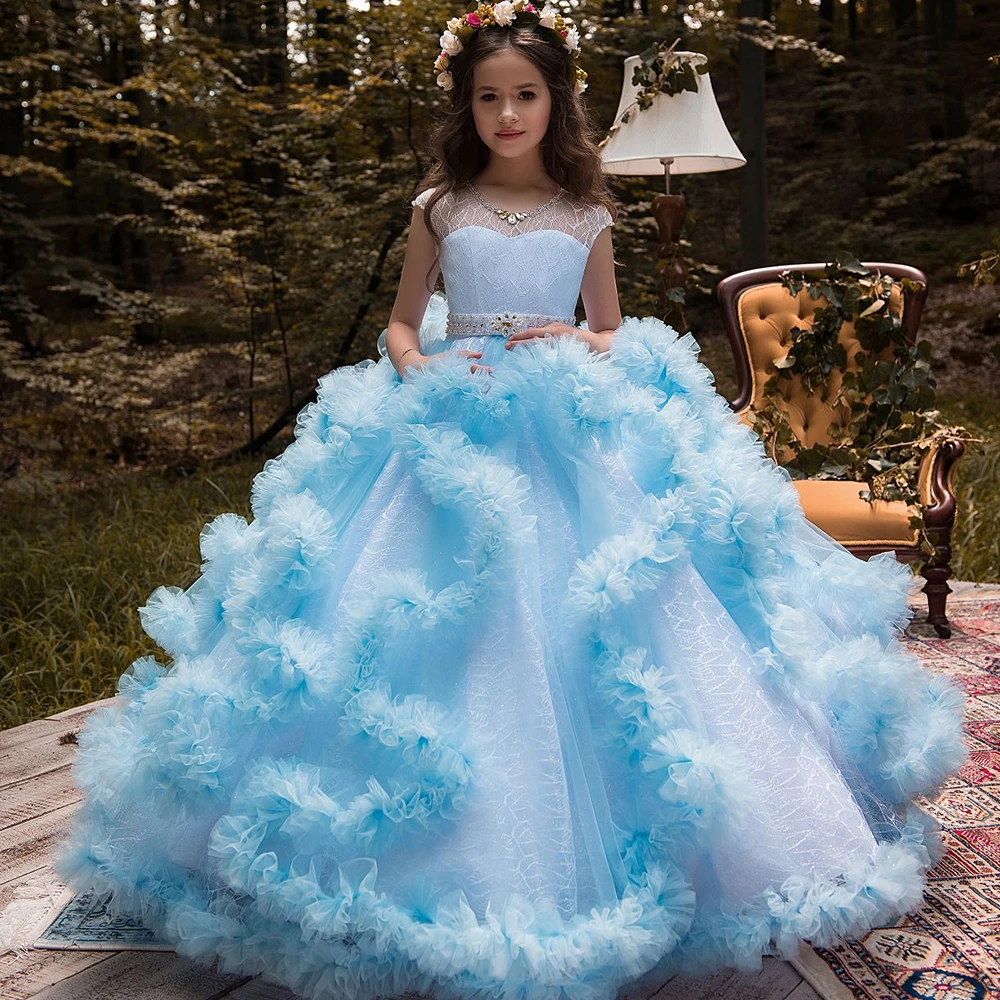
(669, 211)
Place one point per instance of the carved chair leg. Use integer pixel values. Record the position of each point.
(936, 588)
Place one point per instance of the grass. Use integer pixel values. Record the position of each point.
(976, 536)
(74, 567)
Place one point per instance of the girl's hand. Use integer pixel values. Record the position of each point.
(415, 359)
(550, 329)
(475, 354)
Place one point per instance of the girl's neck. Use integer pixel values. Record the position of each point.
(522, 174)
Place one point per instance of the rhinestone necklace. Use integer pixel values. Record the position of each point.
(513, 217)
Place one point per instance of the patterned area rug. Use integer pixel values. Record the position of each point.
(85, 923)
(950, 948)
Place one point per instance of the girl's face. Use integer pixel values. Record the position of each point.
(509, 94)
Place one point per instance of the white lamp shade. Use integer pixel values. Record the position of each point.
(687, 126)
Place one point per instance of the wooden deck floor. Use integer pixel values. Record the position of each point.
(37, 799)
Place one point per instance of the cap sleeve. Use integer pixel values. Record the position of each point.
(421, 199)
(592, 222)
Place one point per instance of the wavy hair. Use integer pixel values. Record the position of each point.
(570, 152)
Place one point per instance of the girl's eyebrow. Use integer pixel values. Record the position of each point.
(517, 86)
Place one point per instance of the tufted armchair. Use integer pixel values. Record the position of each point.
(759, 313)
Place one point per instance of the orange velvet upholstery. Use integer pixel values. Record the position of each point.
(835, 507)
(759, 314)
(767, 314)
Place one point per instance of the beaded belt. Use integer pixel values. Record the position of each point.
(504, 323)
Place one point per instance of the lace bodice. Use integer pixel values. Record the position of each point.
(536, 266)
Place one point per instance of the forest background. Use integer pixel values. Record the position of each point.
(204, 206)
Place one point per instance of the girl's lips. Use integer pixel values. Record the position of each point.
(508, 135)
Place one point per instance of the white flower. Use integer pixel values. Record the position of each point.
(451, 43)
(444, 80)
(442, 61)
(548, 18)
(580, 86)
(454, 23)
(573, 38)
(503, 12)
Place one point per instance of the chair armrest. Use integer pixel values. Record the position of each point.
(936, 481)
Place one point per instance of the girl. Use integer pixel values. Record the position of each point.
(528, 675)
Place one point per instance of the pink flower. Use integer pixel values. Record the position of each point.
(474, 19)
(528, 6)
(564, 32)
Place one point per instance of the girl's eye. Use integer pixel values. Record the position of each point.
(530, 93)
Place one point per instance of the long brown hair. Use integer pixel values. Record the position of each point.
(570, 152)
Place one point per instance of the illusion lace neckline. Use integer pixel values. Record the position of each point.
(508, 213)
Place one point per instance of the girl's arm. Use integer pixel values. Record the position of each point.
(600, 294)
(412, 296)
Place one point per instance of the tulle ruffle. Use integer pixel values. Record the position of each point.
(204, 736)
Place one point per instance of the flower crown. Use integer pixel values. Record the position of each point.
(561, 32)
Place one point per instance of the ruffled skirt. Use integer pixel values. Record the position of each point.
(517, 685)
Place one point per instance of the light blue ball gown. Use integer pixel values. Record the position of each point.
(518, 684)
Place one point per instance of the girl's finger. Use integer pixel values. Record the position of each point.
(531, 331)
(523, 337)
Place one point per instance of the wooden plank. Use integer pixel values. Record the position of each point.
(65, 721)
(257, 989)
(36, 796)
(804, 992)
(820, 976)
(45, 752)
(143, 975)
(40, 746)
(645, 986)
(25, 974)
(44, 880)
(776, 981)
(4, 881)
(19, 735)
(29, 845)
(78, 714)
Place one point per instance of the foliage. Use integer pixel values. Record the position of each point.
(975, 538)
(660, 70)
(885, 398)
(983, 271)
(179, 171)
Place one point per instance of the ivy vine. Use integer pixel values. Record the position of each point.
(660, 70)
(885, 400)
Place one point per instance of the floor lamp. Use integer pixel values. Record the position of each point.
(677, 134)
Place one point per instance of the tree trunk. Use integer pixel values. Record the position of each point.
(11, 144)
(824, 28)
(140, 274)
(955, 121)
(753, 144)
(331, 15)
(904, 18)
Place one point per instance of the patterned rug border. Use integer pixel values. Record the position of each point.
(948, 948)
(61, 929)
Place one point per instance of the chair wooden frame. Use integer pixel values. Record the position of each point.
(937, 471)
